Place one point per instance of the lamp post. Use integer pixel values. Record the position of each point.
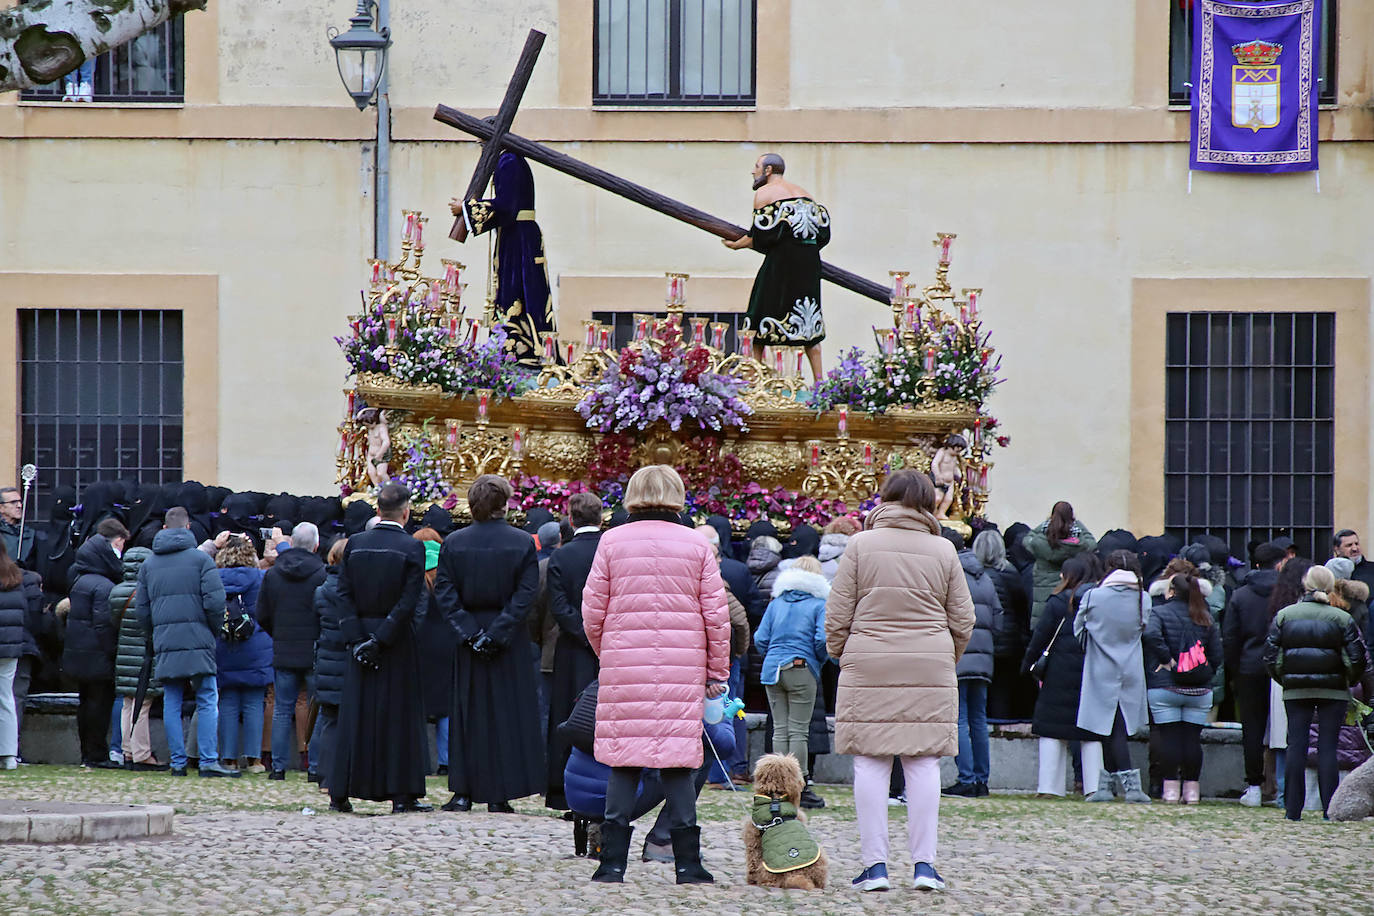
(361, 54)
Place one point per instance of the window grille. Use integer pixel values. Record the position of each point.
(151, 68)
(623, 325)
(100, 397)
(674, 52)
(1250, 427)
(1181, 52)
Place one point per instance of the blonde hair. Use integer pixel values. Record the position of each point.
(807, 563)
(841, 524)
(237, 552)
(656, 486)
(1319, 581)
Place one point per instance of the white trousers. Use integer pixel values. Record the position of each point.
(1054, 766)
(871, 778)
(9, 721)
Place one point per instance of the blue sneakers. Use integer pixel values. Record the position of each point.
(927, 878)
(873, 878)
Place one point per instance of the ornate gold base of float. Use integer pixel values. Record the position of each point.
(840, 454)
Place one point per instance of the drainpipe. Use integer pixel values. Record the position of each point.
(382, 197)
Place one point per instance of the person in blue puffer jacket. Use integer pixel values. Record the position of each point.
(584, 777)
(244, 666)
(791, 639)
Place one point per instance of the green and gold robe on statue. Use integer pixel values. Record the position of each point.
(785, 306)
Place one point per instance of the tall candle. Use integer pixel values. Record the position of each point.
(777, 360)
(391, 329)
(641, 327)
(589, 334)
(718, 329)
(977, 430)
(913, 312)
(343, 443)
(898, 286)
(352, 405)
(549, 352)
(699, 331)
(603, 334)
(945, 243)
(408, 232)
(868, 454)
(572, 352)
(815, 454)
(357, 326)
(483, 399)
(930, 360)
(801, 358)
(419, 235)
(376, 273)
(843, 410)
(472, 332)
(453, 328)
(983, 479)
(963, 313)
(890, 342)
(746, 343)
(453, 432)
(973, 295)
(517, 442)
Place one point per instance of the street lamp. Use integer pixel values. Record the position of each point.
(361, 54)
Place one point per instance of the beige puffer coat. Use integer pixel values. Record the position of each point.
(898, 618)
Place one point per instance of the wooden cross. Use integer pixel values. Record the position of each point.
(495, 133)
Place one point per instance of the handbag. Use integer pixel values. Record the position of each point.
(1037, 668)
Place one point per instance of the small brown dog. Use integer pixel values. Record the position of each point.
(778, 849)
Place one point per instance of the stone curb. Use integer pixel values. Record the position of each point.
(133, 822)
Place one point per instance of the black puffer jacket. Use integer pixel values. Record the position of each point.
(89, 652)
(1314, 651)
(135, 644)
(286, 607)
(1010, 640)
(1246, 624)
(1169, 632)
(20, 608)
(1056, 708)
(331, 654)
(976, 662)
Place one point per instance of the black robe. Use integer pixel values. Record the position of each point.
(785, 304)
(575, 665)
(382, 750)
(488, 579)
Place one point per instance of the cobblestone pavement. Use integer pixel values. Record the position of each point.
(246, 846)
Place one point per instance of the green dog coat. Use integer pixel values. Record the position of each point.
(787, 845)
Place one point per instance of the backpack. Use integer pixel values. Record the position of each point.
(238, 623)
(1192, 668)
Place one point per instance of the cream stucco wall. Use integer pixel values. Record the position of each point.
(1059, 167)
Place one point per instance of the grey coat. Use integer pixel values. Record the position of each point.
(180, 599)
(1110, 621)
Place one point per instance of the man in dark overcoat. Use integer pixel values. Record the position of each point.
(574, 663)
(487, 582)
(382, 750)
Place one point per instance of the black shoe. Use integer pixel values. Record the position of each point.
(278, 775)
(687, 856)
(457, 803)
(218, 772)
(148, 767)
(809, 799)
(500, 808)
(177, 771)
(107, 765)
(982, 789)
(961, 790)
(406, 806)
(313, 777)
(615, 851)
(341, 805)
(442, 770)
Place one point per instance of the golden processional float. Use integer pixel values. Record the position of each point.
(436, 401)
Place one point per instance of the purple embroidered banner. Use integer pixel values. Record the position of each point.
(1255, 86)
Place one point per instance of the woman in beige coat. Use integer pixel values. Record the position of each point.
(898, 618)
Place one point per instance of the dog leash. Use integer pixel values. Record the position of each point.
(716, 754)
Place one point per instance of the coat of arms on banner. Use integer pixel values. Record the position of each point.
(1255, 84)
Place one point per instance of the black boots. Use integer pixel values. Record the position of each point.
(615, 850)
(687, 856)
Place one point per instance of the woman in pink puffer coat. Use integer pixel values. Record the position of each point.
(654, 611)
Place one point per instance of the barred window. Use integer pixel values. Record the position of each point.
(151, 68)
(1181, 52)
(674, 52)
(100, 397)
(1250, 427)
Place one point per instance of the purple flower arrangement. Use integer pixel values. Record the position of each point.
(964, 371)
(425, 353)
(662, 381)
(422, 473)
